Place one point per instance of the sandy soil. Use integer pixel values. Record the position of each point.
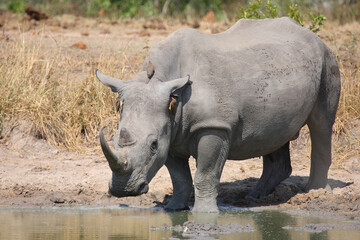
(33, 173)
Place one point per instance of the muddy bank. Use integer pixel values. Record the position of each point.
(33, 173)
(195, 229)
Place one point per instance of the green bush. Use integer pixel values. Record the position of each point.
(122, 8)
(127, 9)
(317, 20)
(16, 6)
(295, 14)
(259, 9)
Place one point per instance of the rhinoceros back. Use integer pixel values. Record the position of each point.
(258, 79)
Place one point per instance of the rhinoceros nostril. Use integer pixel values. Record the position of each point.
(125, 138)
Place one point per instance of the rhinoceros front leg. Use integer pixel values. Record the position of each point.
(212, 151)
(182, 183)
(276, 168)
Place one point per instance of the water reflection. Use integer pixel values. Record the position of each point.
(270, 223)
(130, 223)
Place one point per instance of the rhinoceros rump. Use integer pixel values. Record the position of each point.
(252, 88)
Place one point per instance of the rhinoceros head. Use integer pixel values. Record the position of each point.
(143, 138)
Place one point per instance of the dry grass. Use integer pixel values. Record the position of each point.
(345, 42)
(64, 103)
(53, 86)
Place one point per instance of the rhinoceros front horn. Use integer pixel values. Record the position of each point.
(116, 165)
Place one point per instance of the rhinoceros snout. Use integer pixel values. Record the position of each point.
(143, 188)
(118, 191)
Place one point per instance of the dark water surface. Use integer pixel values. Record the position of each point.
(137, 223)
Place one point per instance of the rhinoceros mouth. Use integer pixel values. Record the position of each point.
(141, 189)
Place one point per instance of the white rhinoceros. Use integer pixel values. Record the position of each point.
(242, 93)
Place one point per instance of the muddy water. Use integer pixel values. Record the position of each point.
(134, 223)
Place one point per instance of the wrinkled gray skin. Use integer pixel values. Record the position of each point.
(253, 88)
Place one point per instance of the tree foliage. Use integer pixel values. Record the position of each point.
(341, 10)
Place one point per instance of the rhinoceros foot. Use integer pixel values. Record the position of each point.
(277, 167)
(174, 208)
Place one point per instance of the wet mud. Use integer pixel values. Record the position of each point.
(192, 228)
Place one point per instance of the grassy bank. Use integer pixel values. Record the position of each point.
(345, 43)
(45, 87)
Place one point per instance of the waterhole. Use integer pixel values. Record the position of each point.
(139, 223)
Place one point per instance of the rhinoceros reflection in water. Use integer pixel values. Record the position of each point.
(239, 94)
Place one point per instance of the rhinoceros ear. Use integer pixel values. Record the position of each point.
(114, 83)
(179, 83)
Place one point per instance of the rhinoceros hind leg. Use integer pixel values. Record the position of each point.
(320, 134)
(320, 122)
(276, 168)
(320, 156)
(182, 183)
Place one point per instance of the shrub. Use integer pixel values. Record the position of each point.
(16, 6)
(317, 20)
(259, 9)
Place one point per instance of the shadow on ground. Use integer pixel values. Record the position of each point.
(233, 193)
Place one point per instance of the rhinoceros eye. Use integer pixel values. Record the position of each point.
(119, 104)
(154, 145)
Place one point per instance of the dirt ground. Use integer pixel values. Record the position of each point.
(34, 173)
